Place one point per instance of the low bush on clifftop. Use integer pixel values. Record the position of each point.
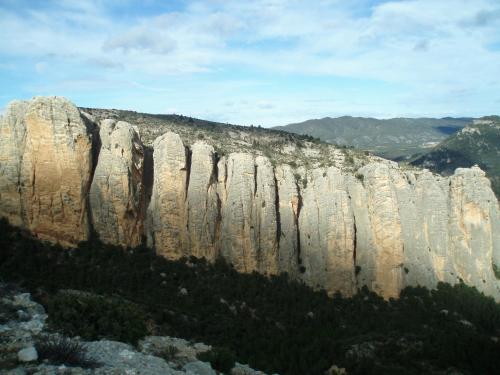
(273, 324)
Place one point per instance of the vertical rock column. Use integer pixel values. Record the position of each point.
(417, 263)
(431, 207)
(266, 219)
(327, 235)
(116, 193)
(167, 224)
(202, 202)
(365, 256)
(12, 142)
(249, 236)
(55, 171)
(383, 211)
(473, 229)
(289, 203)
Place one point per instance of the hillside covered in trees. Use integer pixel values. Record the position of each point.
(271, 323)
(478, 143)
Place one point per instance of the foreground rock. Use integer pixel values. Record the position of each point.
(22, 328)
(27, 354)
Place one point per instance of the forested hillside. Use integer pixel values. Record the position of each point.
(478, 143)
(271, 323)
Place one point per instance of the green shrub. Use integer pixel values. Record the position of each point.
(63, 351)
(496, 270)
(221, 359)
(93, 317)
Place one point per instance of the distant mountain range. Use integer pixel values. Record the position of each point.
(396, 138)
(478, 143)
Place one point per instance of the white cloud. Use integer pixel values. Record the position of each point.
(434, 49)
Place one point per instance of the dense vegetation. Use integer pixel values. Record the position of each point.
(93, 317)
(476, 144)
(273, 324)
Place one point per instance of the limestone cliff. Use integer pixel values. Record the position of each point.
(116, 193)
(46, 156)
(331, 227)
(167, 230)
(250, 233)
(202, 209)
(12, 142)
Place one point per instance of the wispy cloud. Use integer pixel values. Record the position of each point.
(290, 59)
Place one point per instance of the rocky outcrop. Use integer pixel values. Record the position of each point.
(387, 244)
(289, 203)
(327, 231)
(12, 142)
(49, 162)
(167, 230)
(116, 193)
(249, 225)
(202, 202)
(381, 227)
(424, 228)
(474, 227)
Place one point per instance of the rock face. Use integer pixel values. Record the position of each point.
(116, 193)
(327, 231)
(167, 230)
(51, 158)
(382, 227)
(249, 223)
(417, 228)
(387, 245)
(12, 142)
(202, 202)
(289, 205)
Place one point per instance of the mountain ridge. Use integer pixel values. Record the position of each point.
(394, 138)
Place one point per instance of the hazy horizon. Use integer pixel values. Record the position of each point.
(266, 62)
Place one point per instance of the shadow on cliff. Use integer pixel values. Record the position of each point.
(273, 324)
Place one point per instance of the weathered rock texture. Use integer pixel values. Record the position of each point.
(202, 202)
(250, 230)
(48, 161)
(116, 193)
(12, 141)
(383, 227)
(327, 231)
(167, 227)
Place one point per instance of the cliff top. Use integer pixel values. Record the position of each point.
(279, 146)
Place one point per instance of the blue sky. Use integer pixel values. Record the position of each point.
(262, 62)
